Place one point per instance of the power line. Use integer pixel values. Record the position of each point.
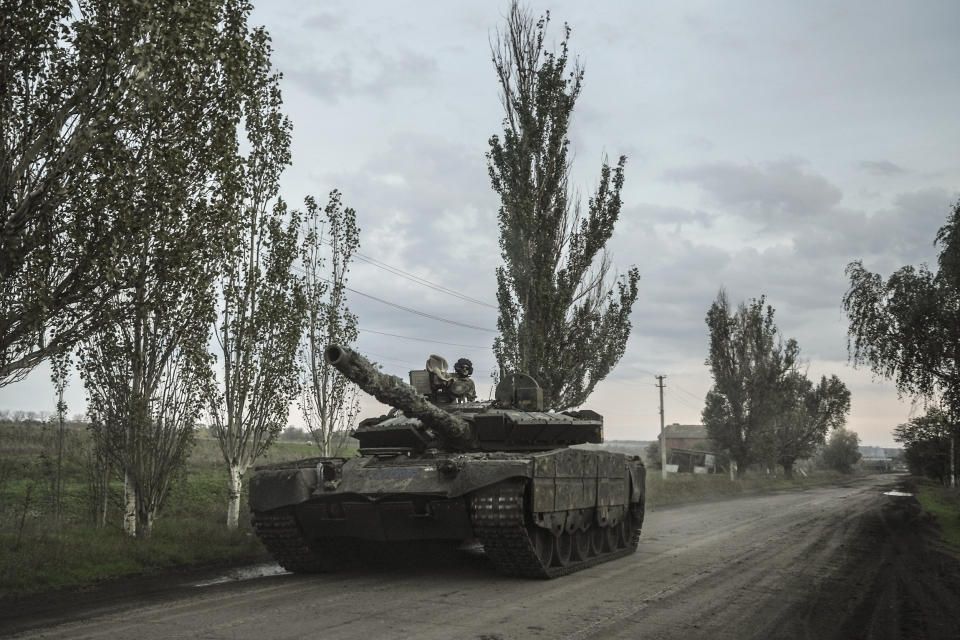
(421, 281)
(647, 371)
(418, 312)
(383, 357)
(405, 308)
(394, 335)
(631, 382)
(681, 399)
(679, 388)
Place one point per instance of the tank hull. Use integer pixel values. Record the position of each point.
(553, 499)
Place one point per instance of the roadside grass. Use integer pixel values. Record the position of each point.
(40, 552)
(685, 487)
(49, 558)
(943, 503)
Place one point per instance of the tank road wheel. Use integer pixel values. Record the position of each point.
(564, 549)
(518, 547)
(631, 527)
(544, 545)
(597, 536)
(581, 544)
(611, 538)
(624, 533)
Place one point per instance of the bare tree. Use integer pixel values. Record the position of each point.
(262, 304)
(328, 401)
(560, 319)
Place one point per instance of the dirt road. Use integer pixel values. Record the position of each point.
(837, 562)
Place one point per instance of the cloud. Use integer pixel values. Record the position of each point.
(882, 168)
(324, 21)
(761, 192)
(369, 73)
(802, 273)
(424, 205)
(677, 217)
(887, 238)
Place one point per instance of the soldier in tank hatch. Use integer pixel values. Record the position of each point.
(461, 386)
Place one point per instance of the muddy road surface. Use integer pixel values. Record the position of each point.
(834, 562)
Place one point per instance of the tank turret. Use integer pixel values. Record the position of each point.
(513, 421)
(391, 390)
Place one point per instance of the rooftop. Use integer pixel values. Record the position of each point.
(688, 431)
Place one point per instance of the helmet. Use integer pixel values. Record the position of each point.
(464, 367)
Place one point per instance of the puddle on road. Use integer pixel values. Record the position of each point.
(897, 493)
(246, 573)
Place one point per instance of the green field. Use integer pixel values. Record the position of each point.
(40, 551)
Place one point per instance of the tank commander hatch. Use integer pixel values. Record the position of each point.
(445, 387)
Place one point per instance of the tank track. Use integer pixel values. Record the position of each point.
(497, 515)
(281, 535)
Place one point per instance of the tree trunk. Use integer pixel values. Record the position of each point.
(147, 522)
(130, 505)
(787, 469)
(61, 436)
(235, 485)
(104, 499)
(953, 460)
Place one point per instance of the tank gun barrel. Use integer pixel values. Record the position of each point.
(395, 392)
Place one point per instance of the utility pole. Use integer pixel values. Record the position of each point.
(663, 437)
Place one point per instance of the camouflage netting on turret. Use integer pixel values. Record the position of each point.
(395, 392)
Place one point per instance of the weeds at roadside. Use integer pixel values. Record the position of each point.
(681, 488)
(40, 552)
(943, 503)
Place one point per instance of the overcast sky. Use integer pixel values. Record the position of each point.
(768, 143)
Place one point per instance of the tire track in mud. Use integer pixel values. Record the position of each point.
(744, 593)
(894, 583)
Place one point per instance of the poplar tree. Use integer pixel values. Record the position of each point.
(329, 402)
(146, 360)
(261, 300)
(560, 319)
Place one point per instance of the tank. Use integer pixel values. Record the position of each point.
(443, 466)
